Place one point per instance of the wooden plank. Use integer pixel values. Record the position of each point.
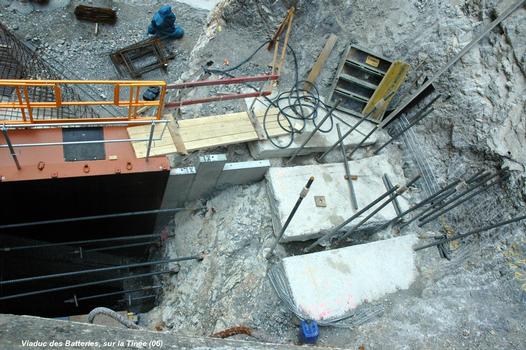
(221, 141)
(201, 133)
(280, 29)
(207, 133)
(165, 146)
(213, 119)
(256, 124)
(286, 40)
(320, 61)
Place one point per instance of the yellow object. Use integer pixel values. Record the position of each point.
(372, 61)
(391, 82)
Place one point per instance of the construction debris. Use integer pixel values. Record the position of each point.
(96, 14)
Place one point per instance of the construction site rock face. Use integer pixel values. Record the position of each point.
(238, 213)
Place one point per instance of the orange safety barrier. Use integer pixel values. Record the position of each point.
(25, 105)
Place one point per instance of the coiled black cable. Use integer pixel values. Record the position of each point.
(301, 104)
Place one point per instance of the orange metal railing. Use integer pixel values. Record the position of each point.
(26, 101)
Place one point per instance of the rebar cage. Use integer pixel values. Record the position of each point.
(33, 91)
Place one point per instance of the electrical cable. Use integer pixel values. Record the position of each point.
(295, 106)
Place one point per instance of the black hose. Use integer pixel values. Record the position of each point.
(299, 100)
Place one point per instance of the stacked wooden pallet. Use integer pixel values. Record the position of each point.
(204, 133)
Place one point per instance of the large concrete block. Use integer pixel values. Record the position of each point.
(243, 173)
(208, 169)
(284, 185)
(333, 283)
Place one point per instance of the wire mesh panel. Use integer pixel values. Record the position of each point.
(417, 154)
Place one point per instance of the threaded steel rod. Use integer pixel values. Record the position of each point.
(443, 211)
(389, 185)
(433, 206)
(459, 196)
(362, 119)
(88, 241)
(302, 146)
(396, 194)
(80, 285)
(363, 140)
(102, 269)
(10, 146)
(302, 195)
(335, 230)
(94, 217)
(429, 199)
(450, 191)
(96, 296)
(479, 230)
(354, 202)
(477, 176)
(120, 246)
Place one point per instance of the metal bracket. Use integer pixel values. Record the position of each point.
(320, 201)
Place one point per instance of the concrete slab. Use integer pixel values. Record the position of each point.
(243, 173)
(320, 142)
(332, 283)
(209, 169)
(284, 185)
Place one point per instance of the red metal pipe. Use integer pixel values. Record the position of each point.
(215, 98)
(226, 81)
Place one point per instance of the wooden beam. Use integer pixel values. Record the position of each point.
(320, 61)
(280, 29)
(286, 40)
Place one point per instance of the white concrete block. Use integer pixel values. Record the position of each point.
(333, 283)
(284, 185)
